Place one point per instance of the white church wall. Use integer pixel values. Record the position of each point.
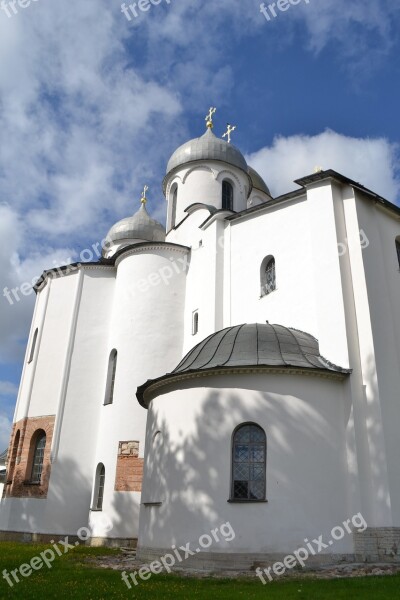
(29, 367)
(282, 232)
(203, 183)
(187, 466)
(381, 358)
(146, 329)
(372, 460)
(51, 352)
(65, 509)
(301, 235)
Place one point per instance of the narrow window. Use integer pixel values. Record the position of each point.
(248, 463)
(227, 195)
(14, 453)
(173, 207)
(112, 368)
(195, 322)
(398, 250)
(268, 276)
(38, 456)
(33, 346)
(99, 487)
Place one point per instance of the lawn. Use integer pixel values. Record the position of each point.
(70, 578)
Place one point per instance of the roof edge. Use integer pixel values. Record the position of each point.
(146, 392)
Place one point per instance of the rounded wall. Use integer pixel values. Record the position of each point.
(146, 330)
(202, 183)
(189, 474)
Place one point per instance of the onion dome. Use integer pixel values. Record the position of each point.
(138, 227)
(207, 147)
(243, 346)
(258, 182)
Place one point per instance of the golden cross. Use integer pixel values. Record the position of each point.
(227, 134)
(209, 117)
(143, 199)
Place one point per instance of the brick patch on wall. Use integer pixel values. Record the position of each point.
(129, 473)
(378, 542)
(20, 456)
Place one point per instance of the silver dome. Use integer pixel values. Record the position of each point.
(258, 182)
(254, 345)
(140, 226)
(207, 147)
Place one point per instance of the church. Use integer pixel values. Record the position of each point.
(241, 365)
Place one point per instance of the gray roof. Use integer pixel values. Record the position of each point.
(258, 182)
(207, 147)
(255, 345)
(140, 226)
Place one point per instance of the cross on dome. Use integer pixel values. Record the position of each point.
(209, 117)
(228, 132)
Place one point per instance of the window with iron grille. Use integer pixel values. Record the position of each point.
(112, 368)
(268, 276)
(248, 463)
(227, 195)
(38, 457)
(101, 475)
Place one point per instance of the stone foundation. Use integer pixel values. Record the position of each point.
(48, 538)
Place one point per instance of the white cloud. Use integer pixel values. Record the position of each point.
(351, 26)
(5, 432)
(371, 162)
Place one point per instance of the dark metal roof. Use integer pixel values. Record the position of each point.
(255, 345)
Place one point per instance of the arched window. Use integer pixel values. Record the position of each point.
(398, 250)
(39, 444)
(195, 322)
(13, 458)
(99, 487)
(227, 195)
(174, 201)
(268, 275)
(249, 450)
(33, 346)
(112, 368)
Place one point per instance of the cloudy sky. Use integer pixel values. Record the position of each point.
(92, 105)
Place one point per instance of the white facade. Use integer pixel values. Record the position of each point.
(332, 444)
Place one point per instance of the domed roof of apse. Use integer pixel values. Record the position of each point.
(258, 182)
(140, 226)
(207, 147)
(255, 345)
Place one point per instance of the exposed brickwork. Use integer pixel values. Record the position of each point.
(378, 542)
(129, 473)
(20, 456)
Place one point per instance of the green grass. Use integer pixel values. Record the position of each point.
(71, 578)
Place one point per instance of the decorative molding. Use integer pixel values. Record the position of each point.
(169, 380)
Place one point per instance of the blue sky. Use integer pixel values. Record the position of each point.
(92, 105)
